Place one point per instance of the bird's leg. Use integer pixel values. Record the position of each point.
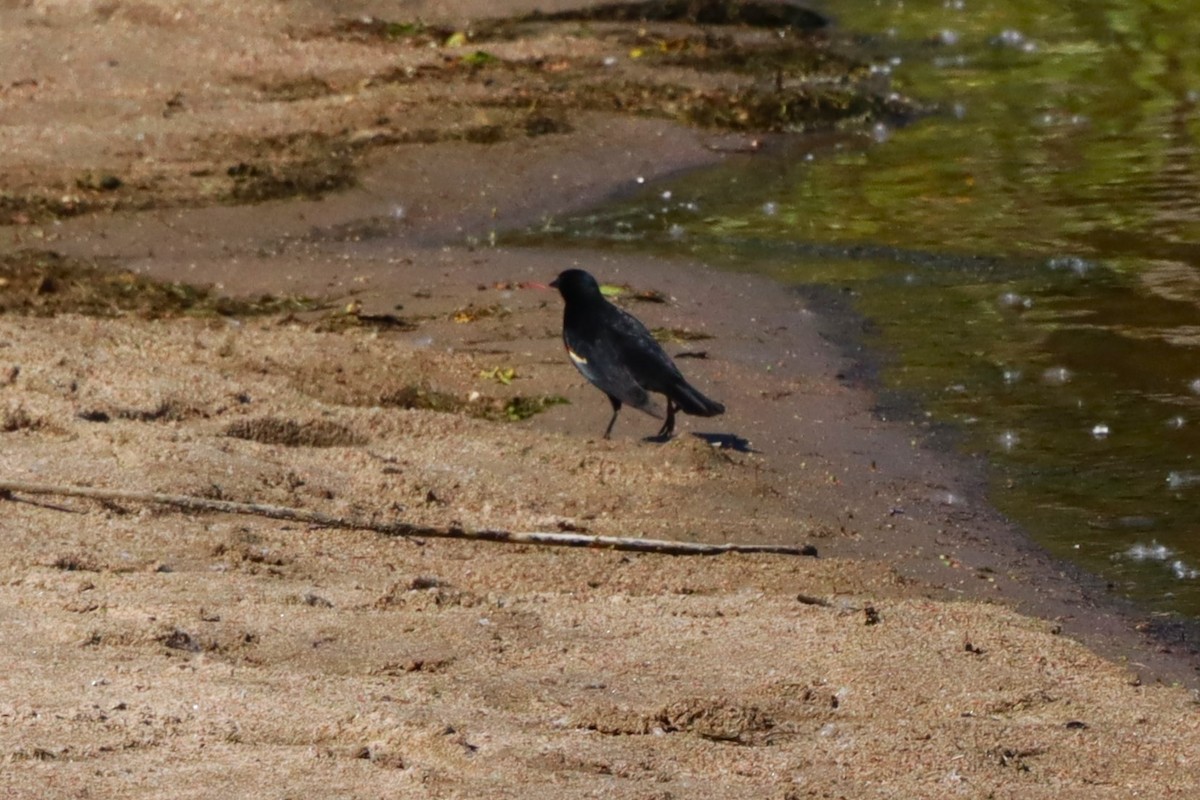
(616, 404)
(669, 426)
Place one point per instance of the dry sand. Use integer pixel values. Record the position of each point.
(930, 651)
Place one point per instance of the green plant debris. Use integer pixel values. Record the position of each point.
(480, 58)
(785, 61)
(352, 317)
(519, 408)
(45, 283)
(258, 181)
(29, 209)
(678, 335)
(696, 12)
(784, 110)
(627, 292)
(372, 28)
(501, 375)
(496, 409)
(424, 398)
(809, 82)
(474, 313)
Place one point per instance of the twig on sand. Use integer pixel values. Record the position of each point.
(396, 528)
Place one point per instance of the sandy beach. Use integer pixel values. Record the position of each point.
(929, 651)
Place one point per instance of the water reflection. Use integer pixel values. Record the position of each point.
(1030, 255)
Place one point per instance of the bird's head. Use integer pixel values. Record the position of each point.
(576, 284)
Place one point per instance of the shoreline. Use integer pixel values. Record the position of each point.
(1116, 626)
(826, 352)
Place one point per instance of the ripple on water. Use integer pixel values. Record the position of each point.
(1075, 264)
(1180, 479)
(1149, 552)
(1008, 440)
(1014, 300)
(1057, 376)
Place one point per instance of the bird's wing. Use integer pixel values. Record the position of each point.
(649, 364)
(601, 360)
(653, 370)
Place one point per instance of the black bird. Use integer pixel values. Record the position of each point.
(619, 356)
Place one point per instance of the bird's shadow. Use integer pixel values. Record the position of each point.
(727, 441)
(724, 441)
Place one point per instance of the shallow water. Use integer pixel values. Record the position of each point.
(1030, 257)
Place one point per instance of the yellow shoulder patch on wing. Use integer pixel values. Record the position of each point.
(578, 359)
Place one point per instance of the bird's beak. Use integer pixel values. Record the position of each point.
(554, 283)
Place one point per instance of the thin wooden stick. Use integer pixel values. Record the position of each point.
(545, 538)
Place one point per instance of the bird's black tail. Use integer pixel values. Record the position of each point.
(690, 401)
